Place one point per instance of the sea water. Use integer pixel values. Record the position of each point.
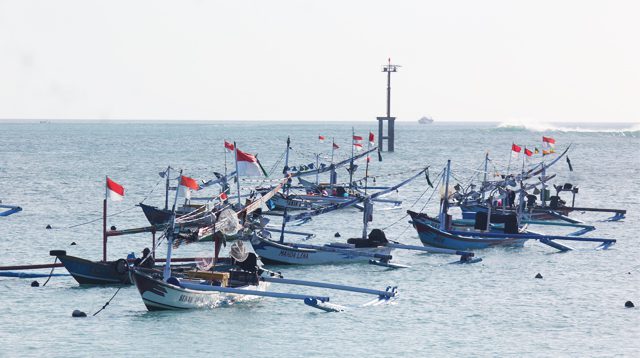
(56, 173)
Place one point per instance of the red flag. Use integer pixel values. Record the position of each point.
(223, 196)
(516, 148)
(371, 138)
(228, 146)
(115, 191)
(358, 146)
(321, 138)
(248, 165)
(528, 152)
(357, 138)
(189, 182)
(548, 140)
(335, 146)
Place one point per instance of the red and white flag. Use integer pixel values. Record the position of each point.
(248, 165)
(356, 142)
(335, 146)
(228, 146)
(515, 150)
(528, 152)
(371, 139)
(548, 145)
(321, 138)
(223, 196)
(186, 185)
(115, 191)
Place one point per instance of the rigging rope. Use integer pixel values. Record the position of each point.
(51, 273)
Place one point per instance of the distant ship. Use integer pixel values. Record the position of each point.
(425, 120)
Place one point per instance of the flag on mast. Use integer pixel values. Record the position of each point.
(186, 185)
(372, 139)
(228, 146)
(248, 165)
(515, 150)
(335, 146)
(115, 191)
(356, 142)
(527, 152)
(548, 145)
(321, 138)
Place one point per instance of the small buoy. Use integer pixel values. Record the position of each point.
(78, 313)
(73, 243)
(337, 234)
(48, 227)
(113, 227)
(538, 275)
(35, 284)
(629, 304)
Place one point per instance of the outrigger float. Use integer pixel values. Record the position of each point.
(11, 209)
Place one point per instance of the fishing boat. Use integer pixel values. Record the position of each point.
(373, 247)
(246, 281)
(440, 233)
(425, 120)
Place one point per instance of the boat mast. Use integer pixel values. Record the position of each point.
(333, 168)
(366, 214)
(353, 133)
(167, 266)
(286, 189)
(366, 168)
(445, 203)
(104, 222)
(484, 180)
(317, 168)
(235, 153)
(166, 190)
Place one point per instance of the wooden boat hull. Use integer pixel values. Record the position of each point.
(431, 235)
(275, 253)
(87, 272)
(158, 295)
(156, 216)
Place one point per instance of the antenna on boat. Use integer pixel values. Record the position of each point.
(235, 153)
(166, 189)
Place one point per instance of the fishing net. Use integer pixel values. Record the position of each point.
(238, 251)
(228, 223)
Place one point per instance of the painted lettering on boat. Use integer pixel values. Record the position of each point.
(192, 299)
(294, 255)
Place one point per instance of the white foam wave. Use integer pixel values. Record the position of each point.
(537, 126)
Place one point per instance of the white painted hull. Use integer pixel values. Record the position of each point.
(159, 295)
(290, 254)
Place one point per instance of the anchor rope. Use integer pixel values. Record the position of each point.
(106, 304)
(51, 272)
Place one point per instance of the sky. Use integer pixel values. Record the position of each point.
(505, 61)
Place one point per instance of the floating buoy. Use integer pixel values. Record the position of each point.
(113, 227)
(48, 227)
(337, 234)
(629, 304)
(78, 313)
(538, 275)
(35, 284)
(73, 243)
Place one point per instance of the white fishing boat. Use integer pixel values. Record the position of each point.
(425, 120)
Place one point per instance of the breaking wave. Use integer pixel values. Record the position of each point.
(617, 128)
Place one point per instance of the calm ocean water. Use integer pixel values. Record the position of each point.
(56, 171)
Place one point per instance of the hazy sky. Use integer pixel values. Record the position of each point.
(320, 60)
